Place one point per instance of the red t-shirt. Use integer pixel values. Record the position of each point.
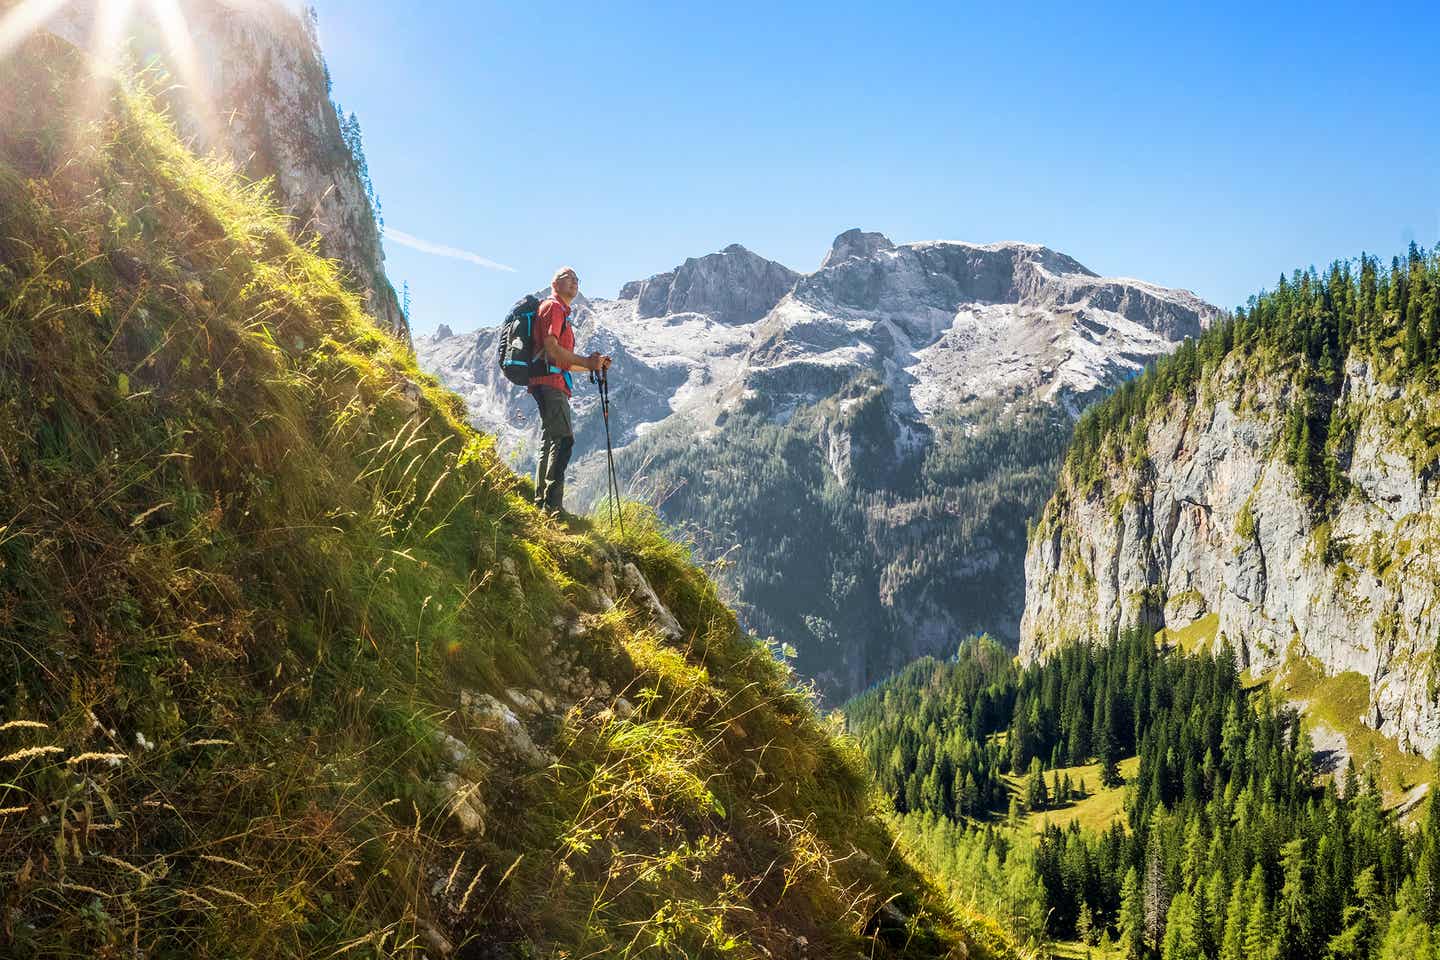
(552, 321)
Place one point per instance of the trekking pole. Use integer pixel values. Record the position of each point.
(613, 479)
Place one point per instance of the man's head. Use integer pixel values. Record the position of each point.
(565, 283)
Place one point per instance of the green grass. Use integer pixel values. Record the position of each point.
(250, 561)
(1100, 808)
(1193, 637)
(1075, 950)
(1340, 701)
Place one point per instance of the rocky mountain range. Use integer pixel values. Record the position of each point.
(942, 323)
(882, 386)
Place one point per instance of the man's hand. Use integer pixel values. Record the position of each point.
(598, 362)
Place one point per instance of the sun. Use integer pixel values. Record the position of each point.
(113, 22)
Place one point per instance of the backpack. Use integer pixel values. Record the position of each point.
(517, 342)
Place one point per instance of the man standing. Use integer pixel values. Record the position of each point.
(550, 386)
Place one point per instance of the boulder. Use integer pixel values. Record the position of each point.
(644, 594)
(513, 739)
(464, 803)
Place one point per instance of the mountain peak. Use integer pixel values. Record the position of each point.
(856, 243)
(733, 286)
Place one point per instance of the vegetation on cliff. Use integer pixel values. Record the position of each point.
(1308, 327)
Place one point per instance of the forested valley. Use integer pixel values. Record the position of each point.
(1230, 841)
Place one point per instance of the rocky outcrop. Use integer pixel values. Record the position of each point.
(856, 243)
(1207, 527)
(732, 287)
(254, 88)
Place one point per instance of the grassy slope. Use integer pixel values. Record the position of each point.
(1193, 637)
(1340, 703)
(1096, 812)
(249, 557)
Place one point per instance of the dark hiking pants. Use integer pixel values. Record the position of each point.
(557, 440)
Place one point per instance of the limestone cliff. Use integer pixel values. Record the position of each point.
(1199, 515)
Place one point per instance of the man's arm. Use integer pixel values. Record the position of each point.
(566, 360)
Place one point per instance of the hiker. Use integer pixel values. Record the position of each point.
(554, 353)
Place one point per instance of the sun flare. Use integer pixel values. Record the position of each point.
(112, 24)
(25, 19)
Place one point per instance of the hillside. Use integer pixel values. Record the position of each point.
(292, 670)
(865, 441)
(248, 82)
(1271, 486)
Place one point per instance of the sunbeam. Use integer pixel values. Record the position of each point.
(24, 20)
(113, 23)
(182, 52)
(108, 35)
(107, 45)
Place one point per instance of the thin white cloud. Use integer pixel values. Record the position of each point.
(440, 250)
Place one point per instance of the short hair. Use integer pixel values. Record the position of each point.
(562, 273)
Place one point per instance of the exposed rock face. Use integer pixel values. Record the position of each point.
(1215, 526)
(259, 95)
(957, 321)
(732, 287)
(856, 243)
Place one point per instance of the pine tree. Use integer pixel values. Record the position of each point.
(1294, 936)
(1085, 925)
(1259, 940)
(1358, 926)
(1194, 854)
(1036, 796)
(964, 799)
(1428, 869)
(1407, 937)
(1181, 925)
(1157, 889)
(1132, 917)
(1201, 921)
(1414, 345)
(1109, 759)
(1232, 944)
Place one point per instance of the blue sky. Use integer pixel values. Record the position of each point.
(1209, 149)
